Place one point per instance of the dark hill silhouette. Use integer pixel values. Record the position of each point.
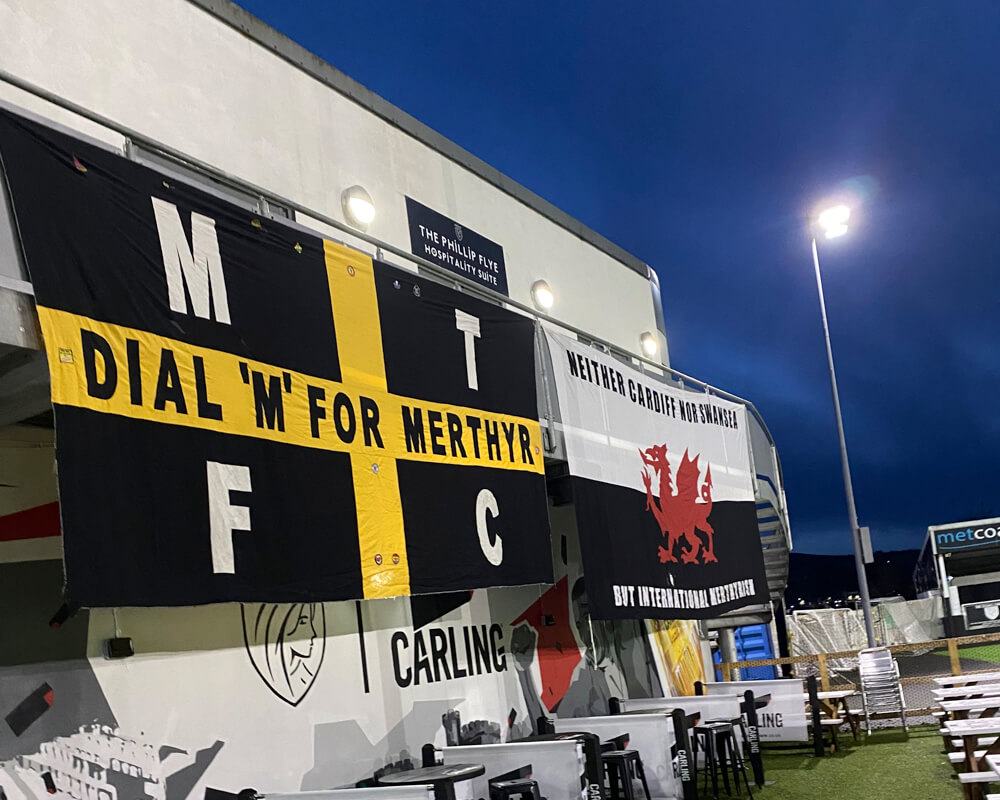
(814, 578)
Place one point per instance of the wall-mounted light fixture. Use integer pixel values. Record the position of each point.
(541, 296)
(649, 344)
(359, 210)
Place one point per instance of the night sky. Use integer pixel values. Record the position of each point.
(699, 136)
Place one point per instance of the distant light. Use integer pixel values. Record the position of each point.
(837, 215)
(541, 296)
(649, 344)
(359, 209)
(833, 220)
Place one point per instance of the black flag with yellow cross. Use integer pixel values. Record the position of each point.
(247, 412)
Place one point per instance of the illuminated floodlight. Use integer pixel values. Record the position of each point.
(833, 221)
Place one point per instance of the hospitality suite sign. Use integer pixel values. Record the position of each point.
(455, 247)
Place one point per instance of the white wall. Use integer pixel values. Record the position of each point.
(174, 72)
(196, 688)
(177, 74)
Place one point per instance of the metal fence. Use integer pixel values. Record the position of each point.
(919, 663)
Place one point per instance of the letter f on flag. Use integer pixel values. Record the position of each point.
(224, 517)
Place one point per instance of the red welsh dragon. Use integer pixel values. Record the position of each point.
(680, 515)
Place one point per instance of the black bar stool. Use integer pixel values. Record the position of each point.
(704, 740)
(621, 766)
(738, 722)
(721, 753)
(524, 788)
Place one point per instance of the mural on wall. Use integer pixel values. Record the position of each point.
(613, 659)
(29, 510)
(679, 648)
(58, 734)
(290, 697)
(544, 632)
(98, 762)
(286, 643)
(581, 663)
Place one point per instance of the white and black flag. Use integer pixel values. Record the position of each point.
(663, 489)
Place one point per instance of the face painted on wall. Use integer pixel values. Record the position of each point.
(286, 643)
(593, 634)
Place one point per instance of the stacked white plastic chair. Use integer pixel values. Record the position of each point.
(880, 689)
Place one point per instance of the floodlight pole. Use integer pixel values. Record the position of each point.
(852, 512)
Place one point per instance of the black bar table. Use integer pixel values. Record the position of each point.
(442, 778)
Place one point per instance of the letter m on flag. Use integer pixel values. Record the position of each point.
(197, 267)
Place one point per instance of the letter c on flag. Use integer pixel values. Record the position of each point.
(486, 501)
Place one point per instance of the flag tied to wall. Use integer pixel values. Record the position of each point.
(246, 411)
(663, 490)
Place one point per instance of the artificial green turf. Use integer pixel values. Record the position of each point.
(980, 652)
(886, 764)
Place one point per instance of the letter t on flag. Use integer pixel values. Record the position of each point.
(469, 325)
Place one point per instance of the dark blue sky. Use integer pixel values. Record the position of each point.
(698, 136)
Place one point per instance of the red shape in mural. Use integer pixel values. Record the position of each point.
(558, 652)
(32, 523)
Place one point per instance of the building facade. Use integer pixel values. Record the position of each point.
(206, 94)
(960, 563)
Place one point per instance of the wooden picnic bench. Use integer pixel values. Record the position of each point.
(975, 769)
(970, 678)
(963, 692)
(832, 703)
(994, 764)
(961, 709)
